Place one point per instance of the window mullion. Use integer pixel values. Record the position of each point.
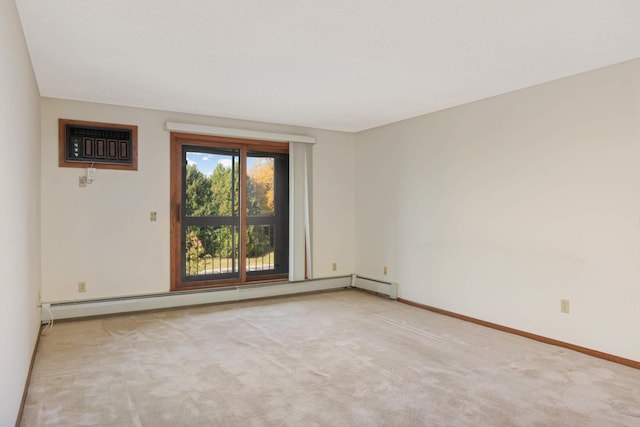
(242, 211)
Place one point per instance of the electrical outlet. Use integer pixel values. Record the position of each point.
(82, 286)
(385, 270)
(334, 266)
(153, 216)
(82, 182)
(564, 306)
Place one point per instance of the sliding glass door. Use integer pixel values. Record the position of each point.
(211, 214)
(231, 211)
(267, 214)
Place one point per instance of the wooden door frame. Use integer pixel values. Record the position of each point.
(177, 142)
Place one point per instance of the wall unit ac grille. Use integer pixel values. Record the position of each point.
(104, 145)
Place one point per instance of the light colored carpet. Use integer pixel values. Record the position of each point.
(341, 358)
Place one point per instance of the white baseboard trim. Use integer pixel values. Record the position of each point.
(99, 307)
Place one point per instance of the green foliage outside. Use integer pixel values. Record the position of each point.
(214, 196)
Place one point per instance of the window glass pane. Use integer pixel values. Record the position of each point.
(260, 247)
(211, 250)
(260, 186)
(211, 184)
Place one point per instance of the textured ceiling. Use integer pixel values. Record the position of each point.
(345, 65)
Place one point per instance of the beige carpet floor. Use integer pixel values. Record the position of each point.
(342, 358)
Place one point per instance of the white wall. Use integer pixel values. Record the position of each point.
(20, 214)
(102, 234)
(500, 208)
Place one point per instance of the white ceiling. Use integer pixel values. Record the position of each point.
(344, 65)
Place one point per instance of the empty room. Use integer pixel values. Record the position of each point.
(284, 213)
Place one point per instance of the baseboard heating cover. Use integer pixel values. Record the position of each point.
(375, 285)
(99, 307)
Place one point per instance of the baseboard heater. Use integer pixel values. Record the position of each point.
(374, 285)
(99, 307)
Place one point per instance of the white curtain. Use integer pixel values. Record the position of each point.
(300, 208)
